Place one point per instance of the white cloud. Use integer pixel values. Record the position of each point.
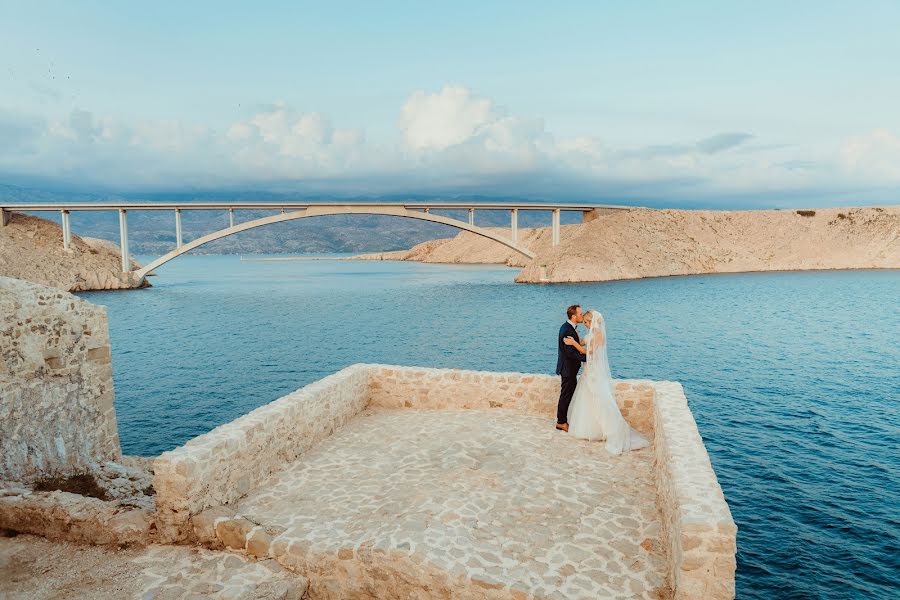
(447, 118)
(875, 155)
(460, 133)
(450, 140)
(283, 143)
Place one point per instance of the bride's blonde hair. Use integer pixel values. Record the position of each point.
(589, 315)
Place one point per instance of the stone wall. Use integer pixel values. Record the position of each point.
(697, 524)
(56, 388)
(221, 466)
(423, 388)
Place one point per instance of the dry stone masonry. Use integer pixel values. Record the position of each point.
(55, 382)
(231, 460)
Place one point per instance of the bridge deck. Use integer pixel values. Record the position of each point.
(301, 205)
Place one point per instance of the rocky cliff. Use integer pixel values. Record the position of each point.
(640, 243)
(31, 248)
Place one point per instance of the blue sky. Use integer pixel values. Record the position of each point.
(713, 103)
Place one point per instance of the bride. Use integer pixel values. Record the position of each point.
(594, 414)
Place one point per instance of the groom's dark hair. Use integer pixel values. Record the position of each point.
(572, 311)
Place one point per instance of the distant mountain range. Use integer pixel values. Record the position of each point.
(153, 232)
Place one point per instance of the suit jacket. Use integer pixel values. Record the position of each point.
(568, 358)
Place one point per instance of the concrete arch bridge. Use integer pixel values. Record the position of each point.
(288, 211)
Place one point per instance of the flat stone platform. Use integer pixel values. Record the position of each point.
(487, 498)
(390, 482)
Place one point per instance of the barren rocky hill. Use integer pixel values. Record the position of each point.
(640, 243)
(31, 248)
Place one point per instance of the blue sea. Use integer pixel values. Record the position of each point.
(793, 378)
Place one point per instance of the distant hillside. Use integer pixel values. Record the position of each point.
(653, 243)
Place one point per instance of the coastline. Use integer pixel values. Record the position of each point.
(31, 249)
(362, 258)
(649, 243)
(632, 244)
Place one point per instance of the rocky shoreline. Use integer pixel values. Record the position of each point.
(31, 248)
(629, 244)
(642, 242)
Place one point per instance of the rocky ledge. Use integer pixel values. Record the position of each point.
(31, 248)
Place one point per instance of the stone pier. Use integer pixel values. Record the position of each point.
(383, 481)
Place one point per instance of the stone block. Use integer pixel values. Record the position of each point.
(100, 355)
(204, 524)
(232, 532)
(258, 543)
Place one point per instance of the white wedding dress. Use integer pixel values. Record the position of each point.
(593, 413)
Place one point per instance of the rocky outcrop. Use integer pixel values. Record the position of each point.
(656, 243)
(639, 243)
(31, 248)
(74, 518)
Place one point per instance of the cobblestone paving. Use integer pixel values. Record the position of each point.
(495, 496)
(32, 568)
(173, 573)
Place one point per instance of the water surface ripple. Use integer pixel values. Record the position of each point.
(794, 378)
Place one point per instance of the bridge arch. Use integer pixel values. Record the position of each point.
(321, 211)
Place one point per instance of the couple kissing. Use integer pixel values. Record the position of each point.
(587, 406)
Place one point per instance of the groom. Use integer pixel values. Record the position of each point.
(568, 361)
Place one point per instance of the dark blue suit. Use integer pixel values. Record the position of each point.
(568, 361)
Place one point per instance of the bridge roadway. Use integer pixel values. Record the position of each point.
(288, 211)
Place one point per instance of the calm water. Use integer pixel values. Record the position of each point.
(794, 378)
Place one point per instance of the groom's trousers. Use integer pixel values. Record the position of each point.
(566, 391)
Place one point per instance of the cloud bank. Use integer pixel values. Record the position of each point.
(447, 141)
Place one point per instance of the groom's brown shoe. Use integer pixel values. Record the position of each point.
(563, 426)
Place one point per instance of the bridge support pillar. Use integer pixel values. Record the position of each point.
(231, 217)
(123, 239)
(472, 216)
(555, 227)
(4, 217)
(66, 229)
(178, 239)
(514, 224)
